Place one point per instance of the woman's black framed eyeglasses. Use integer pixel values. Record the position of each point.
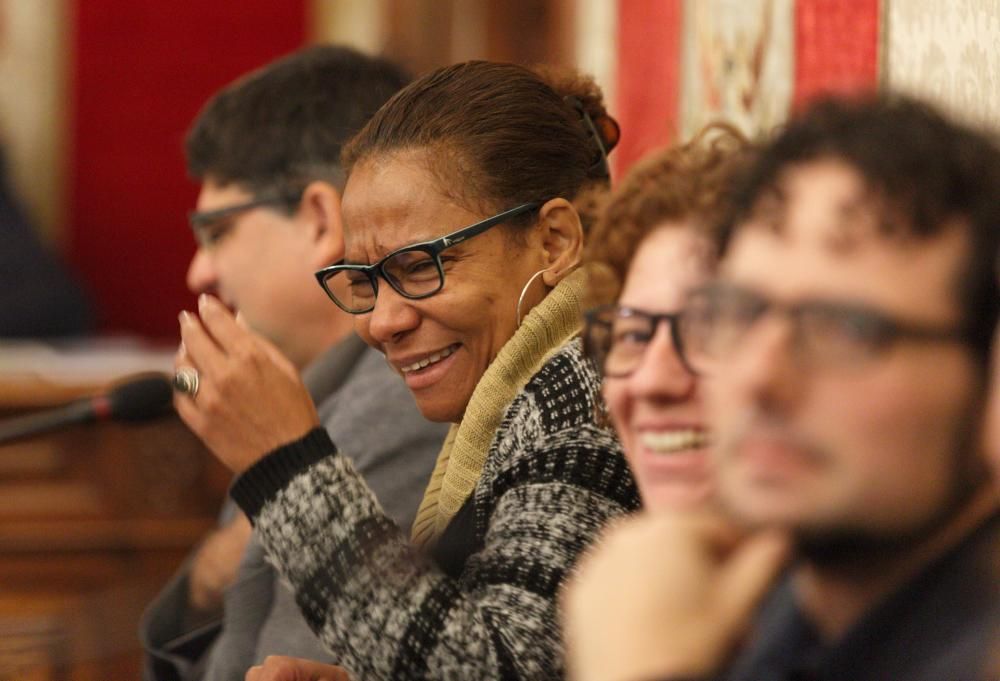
(413, 271)
(616, 337)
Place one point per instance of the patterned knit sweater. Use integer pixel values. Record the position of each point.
(552, 479)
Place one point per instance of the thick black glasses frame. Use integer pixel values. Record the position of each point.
(594, 318)
(433, 248)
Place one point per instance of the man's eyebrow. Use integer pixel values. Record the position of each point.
(215, 226)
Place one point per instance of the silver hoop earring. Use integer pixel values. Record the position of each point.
(524, 290)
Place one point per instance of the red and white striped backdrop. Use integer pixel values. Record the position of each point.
(98, 141)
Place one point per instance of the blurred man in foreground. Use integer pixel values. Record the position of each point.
(848, 343)
(266, 150)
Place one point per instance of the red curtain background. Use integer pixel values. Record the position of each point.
(142, 71)
(836, 47)
(649, 53)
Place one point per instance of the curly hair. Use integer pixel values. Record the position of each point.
(687, 183)
(927, 172)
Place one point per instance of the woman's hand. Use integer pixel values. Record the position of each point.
(279, 668)
(250, 399)
(665, 595)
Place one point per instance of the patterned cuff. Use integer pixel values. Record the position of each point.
(262, 481)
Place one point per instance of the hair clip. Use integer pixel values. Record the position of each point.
(605, 142)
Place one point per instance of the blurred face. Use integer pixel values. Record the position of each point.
(875, 449)
(441, 345)
(657, 409)
(258, 262)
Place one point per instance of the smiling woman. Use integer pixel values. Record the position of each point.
(462, 247)
(657, 239)
(656, 242)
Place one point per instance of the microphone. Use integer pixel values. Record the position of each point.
(143, 397)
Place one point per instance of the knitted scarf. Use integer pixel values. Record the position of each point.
(546, 328)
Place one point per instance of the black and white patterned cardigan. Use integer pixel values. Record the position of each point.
(551, 480)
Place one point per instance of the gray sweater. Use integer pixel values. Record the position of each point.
(552, 479)
(365, 406)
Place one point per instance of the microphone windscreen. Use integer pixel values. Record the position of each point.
(140, 398)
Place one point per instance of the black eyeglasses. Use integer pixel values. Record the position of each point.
(616, 337)
(719, 318)
(414, 271)
(211, 225)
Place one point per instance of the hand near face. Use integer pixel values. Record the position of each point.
(278, 668)
(668, 594)
(250, 398)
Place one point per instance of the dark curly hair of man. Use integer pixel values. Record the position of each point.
(926, 172)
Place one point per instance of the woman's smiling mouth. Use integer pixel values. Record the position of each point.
(671, 441)
(429, 360)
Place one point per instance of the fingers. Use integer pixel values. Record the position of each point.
(281, 668)
(714, 531)
(200, 348)
(212, 335)
(232, 335)
(188, 412)
(183, 402)
(220, 323)
(750, 569)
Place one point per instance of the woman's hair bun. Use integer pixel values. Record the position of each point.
(582, 93)
(604, 126)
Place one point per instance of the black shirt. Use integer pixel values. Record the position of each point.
(943, 625)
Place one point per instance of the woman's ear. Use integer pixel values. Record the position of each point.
(562, 239)
(319, 213)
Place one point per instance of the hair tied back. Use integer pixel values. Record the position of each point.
(603, 128)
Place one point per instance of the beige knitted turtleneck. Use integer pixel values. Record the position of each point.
(549, 325)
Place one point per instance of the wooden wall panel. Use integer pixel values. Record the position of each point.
(94, 519)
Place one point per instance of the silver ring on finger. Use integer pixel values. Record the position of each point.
(186, 381)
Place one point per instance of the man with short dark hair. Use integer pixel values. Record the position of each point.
(266, 150)
(848, 341)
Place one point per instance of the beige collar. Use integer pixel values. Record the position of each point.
(549, 325)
